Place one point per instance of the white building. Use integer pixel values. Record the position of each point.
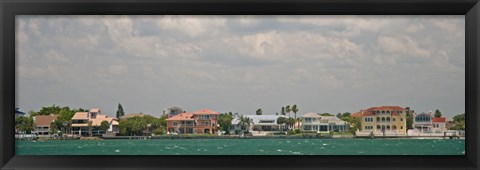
(315, 122)
(258, 123)
(426, 123)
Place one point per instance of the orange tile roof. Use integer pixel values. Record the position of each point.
(95, 110)
(80, 115)
(182, 116)
(206, 111)
(44, 120)
(371, 111)
(439, 119)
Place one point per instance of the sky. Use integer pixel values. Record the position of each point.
(241, 63)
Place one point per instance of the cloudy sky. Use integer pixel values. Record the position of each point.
(241, 63)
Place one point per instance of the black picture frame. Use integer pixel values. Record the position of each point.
(10, 8)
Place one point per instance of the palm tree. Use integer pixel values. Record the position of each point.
(283, 111)
(294, 110)
(243, 120)
(288, 110)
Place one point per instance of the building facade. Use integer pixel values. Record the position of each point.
(427, 123)
(42, 124)
(258, 123)
(81, 119)
(172, 111)
(315, 122)
(383, 119)
(198, 122)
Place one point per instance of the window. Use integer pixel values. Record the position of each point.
(388, 119)
(383, 111)
(267, 121)
(401, 127)
(204, 116)
(401, 119)
(378, 126)
(378, 119)
(383, 119)
(207, 123)
(307, 120)
(394, 119)
(174, 123)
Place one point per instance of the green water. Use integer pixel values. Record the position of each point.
(245, 147)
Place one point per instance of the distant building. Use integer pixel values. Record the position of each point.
(202, 121)
(173, 111)
(383, 119)
(19, 113)
(426, 123)
(259, 123)
(42, 124)
(80, 122)
(315, 122)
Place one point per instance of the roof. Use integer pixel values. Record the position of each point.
(95, 110)
(17, 111)
(371, 111)
(311, 114)
(182, 116)
(44, 120)
(439, 119)
(80, 115)
(206, 111)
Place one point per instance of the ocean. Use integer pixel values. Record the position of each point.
(244, 147)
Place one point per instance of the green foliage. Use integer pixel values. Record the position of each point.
(120, 111)
(245, 121)
(134, 126)
(225, 121)
(459, 122)
(326, 114)
(24, 124)
(346, 114)
(290, 121)
(159, 131)
(339, 115)
(259, 111)
(288, 110)
(437, 113)
(283, 111)
(294, 110)
(355, 124)
(104, 126)
(409, 119)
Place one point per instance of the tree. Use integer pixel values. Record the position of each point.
(355, 124)
(409, 119)
(282, 121)
(339, 115)
(295, 110)
(120, 111)
(288, 110)
(290, 122)
(104, 126)
(24, 124)
(283, 111)
(437, 113)
(459, 122)
(90, 127)
(225, 121)
(346, 114)
(245, 121)
(259, 111)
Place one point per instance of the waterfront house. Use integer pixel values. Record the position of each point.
(315, 122)
(42, 124)
(383, 119)
(202, 121)
(258, 123)
(80, 122)
(426, 123)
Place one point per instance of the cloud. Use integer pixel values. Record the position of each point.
(117, 69)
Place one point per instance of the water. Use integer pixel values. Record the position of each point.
(245, 147)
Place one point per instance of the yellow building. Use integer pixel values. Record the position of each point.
(383, 119)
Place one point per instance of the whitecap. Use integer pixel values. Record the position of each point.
(261, 150)
(219, 147)
(288, 141)
(296, 153)
(279, 150)
(117, 150)
(324, 144)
